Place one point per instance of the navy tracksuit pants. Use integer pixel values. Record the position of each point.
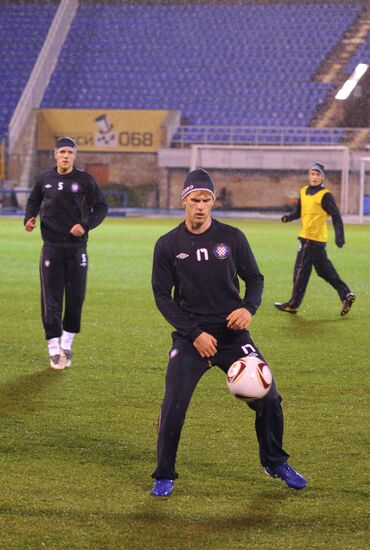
(185, 369)
(313, 254)
(63, 276)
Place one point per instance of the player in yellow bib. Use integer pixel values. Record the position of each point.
(314, 206)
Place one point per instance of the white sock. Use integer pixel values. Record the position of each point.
(66, 340)
(53, 346)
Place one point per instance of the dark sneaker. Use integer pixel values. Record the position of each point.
(347, 303)
(55, 362)
(162, 488)
(285, 307)
(293, 479)
(66, 357)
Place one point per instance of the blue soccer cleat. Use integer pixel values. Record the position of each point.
(293, 479)
(162, 488)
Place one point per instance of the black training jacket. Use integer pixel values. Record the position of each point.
(64, 201)
(203, 271)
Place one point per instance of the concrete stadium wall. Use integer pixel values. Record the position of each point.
(252, 189)
(262, 187)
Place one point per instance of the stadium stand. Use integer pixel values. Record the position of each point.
(23, 30)
(229, 65)
(238, 72)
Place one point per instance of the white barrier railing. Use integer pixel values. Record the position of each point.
(183, 136)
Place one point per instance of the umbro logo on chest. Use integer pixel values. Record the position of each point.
(202, 254)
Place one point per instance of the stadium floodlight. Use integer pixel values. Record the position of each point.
(352, 82)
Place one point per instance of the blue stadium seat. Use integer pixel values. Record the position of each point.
(362, 55)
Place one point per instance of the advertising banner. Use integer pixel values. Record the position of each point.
(102, 130)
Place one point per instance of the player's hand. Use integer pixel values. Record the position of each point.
(339, 243)
(284, 218)
(77, 230)
(205, 344)
(30, 224)
(239, 319)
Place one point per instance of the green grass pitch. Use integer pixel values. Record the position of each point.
(78, 446)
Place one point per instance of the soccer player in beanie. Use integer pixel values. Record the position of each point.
(70, 203)
(200, 260)
(314, 206)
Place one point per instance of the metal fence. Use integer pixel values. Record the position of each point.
(183, 136)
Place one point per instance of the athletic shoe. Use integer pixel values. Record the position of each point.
(55, 362)
(347, 303)
(66, 357)
(162, 488)
(285, 307)
(293, 479)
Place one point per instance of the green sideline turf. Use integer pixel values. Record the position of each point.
(77, 447)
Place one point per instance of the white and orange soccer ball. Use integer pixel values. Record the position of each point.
(249, 378)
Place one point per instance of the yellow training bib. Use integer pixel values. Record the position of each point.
(313, 216)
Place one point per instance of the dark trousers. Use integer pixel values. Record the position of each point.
(312, 254)
(185, 369)
(63, 275)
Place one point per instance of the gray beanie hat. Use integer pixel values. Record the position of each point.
(319, 167)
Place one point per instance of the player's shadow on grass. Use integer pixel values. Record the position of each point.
(308, 327)
(21, 393)
(260, 511)
(158, 515)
